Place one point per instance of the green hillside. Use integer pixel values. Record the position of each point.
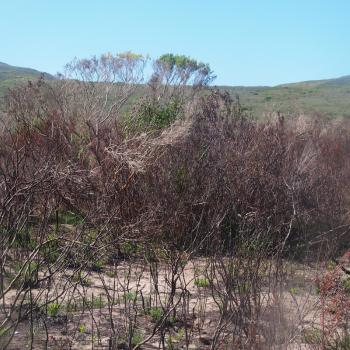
(328, 98)
(11, 75)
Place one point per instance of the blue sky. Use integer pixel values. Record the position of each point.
(256, 42)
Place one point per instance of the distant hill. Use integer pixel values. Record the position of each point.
(345, 80)
(11, 75)
(328, 98)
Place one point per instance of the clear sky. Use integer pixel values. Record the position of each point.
(246, 42)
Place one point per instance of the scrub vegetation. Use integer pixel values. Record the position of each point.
(168, 219)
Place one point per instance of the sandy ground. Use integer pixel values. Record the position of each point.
(283, 321)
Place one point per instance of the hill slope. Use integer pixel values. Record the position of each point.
(329, 98)
(11, 75)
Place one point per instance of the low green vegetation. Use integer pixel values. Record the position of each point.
(326, 98)
(136, 338)
(10, 76)
(53, 309)
(201, 282)
(130, 296)
(82, 328)
(156, 314)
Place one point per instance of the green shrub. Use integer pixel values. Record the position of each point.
(331, 265)
(136, 338)
(82, 329)
(156, 314)
(346, 285)
(244, 287)
(131, 249)
(293, 291)
(53, 309)
(97, 266)
(201, 282)
(130, 296)
(95, 302)
(111, 274)
(153, 115)
(67, 217)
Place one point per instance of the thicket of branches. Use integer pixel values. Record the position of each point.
(103, 166)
